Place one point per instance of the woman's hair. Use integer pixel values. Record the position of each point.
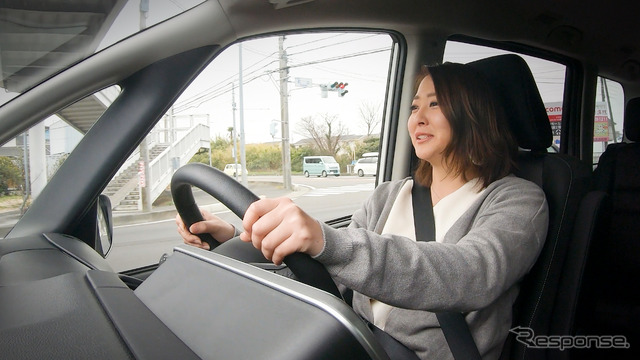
(481, 142)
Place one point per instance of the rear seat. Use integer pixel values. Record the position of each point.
(548, 293)
(610, 303)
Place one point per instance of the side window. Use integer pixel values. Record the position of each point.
(549, 76)
(28, 162)
(263, 104)
(609, 116)
(315, 94)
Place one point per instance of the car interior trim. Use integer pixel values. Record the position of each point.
(209, 264)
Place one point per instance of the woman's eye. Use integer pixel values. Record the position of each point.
(433, 103)
(414, 107)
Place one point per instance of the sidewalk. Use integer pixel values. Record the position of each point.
(165, 212)
(7, 220)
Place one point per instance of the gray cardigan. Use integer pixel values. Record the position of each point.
(475, 270)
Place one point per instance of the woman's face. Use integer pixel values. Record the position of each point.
(429, 130)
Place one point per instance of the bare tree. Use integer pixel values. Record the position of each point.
(326, 133)
(369, 112)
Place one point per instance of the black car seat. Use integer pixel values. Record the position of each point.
(544, 305)
(610, 304)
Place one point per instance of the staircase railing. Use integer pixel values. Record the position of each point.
(176, 155)
(125, 190)
(193, 135)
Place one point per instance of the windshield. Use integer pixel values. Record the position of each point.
(41, 38)
(329, 159)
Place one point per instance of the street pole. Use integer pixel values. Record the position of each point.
(284, 114)
(233, 131)
(605, 97)
(144, 148)
(144, 152)
(243, 159)
(209, 139)
(144, 10)
(27, 176)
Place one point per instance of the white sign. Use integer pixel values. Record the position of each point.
(141, 174)
(304, 82)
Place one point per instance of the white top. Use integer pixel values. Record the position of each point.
(400, 222)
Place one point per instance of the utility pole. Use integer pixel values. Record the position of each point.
(233, 131)
(284, 115)
(209, 137)
(27, 176)
(144, 148)
(144, 10)
(605, 97)
(243, 159)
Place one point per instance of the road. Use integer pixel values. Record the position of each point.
(140, 244)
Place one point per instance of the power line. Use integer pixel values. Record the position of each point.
(342, 57)
(229, 79)
(267, 56)
(332, 44)
(184, 104)
(333, 36)
(222, 88)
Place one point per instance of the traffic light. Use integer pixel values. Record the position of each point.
(343, 91)
(339, 87)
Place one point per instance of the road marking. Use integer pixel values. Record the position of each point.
(337, 190)
(162, 221)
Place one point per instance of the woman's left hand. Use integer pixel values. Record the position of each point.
(278, 228)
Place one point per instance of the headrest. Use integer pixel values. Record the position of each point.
(632, 120)
(515, 86)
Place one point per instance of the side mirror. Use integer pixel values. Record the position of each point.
(104, 231)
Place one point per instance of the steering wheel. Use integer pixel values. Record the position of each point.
(237, 198)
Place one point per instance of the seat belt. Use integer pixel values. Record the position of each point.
(394, 348)
(455, 328)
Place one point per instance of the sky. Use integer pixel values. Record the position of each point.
(360, 60)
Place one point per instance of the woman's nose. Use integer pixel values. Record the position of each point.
(419, 118)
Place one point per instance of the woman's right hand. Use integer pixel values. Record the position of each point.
(218, 228)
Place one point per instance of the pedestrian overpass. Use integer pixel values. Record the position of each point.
(171, 144)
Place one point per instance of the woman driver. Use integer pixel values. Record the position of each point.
(490, 225)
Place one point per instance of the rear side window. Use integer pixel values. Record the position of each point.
(549, 77)
(609, 116)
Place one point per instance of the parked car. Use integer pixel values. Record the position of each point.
(124, 93)
(366, 166)
(320, 166)
(234, 169)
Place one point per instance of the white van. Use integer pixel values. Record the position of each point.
(233, 169)
(366, 166)
(320, 166)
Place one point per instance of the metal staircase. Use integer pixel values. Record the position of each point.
(125, 185)
(164, 158)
